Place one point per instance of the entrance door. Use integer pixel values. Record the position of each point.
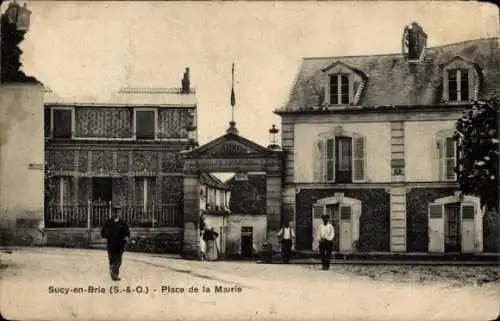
(452, 228)
(247, 241)
(102, 190)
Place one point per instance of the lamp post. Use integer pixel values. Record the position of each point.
(273, 137)
(14, 23)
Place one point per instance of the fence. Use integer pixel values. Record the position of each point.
(95, 214)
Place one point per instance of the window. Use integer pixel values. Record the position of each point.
(145, 124)
(64, 191)
(62, 122)
(339, 89)
(345, 159)
(343, 170)
(458, 85)
(145, 192)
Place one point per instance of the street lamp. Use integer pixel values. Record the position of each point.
(13, 24)
(273, 137)
(18, 16)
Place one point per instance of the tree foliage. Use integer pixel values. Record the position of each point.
(477, 134)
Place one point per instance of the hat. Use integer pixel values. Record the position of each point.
(117, 207)
(325, 215)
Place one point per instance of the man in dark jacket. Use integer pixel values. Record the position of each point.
(117, 233)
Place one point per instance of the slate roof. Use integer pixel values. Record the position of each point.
(393, 81)
(248, 196)
(212, 181)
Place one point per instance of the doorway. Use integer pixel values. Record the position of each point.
(452, 228)
(247, 242)
(332, 210)
(102, 190)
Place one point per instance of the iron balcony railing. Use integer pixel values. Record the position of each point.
(95, 214)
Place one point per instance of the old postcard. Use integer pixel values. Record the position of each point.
(177, 160)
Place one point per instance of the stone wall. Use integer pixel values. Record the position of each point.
(374, 222)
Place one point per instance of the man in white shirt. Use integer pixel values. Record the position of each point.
(326, 233)
(287, 235)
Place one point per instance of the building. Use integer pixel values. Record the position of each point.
(214, 207)
(248, 220)
(21, 163)
(369, 141)
(125, 151)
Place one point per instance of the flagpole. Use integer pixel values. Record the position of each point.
(233, 102)
(232, 123)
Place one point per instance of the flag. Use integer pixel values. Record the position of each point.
(233, 97)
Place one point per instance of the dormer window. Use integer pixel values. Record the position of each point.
(339, 89)
(461, 79)
(458, 85)
(343, 84)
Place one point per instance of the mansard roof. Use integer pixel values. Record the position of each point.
(394, 81)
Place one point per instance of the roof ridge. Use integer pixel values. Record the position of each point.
(400, 54)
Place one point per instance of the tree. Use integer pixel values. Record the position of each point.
(477, 135)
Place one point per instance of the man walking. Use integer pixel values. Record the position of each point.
(286, 235)
(117, 233)
(326, 233)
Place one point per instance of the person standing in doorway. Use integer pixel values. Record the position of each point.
(117, 234)
(326, 233)
(287, 236)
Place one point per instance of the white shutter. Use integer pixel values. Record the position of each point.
(345, 237)
(319, 161)
(358, 159)
(436, 228)
(450, 155)
(330, 159)
(467, 214)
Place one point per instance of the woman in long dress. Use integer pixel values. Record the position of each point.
(203, 246)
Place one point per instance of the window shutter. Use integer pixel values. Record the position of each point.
(318, 211)
(319, 160)
(450, 154)
(330, 159)
(358, 159)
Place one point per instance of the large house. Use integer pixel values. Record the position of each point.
(369, 142)
(124, 151)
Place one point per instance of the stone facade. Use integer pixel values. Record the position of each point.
(379, 129)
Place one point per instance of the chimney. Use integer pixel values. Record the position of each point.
(185, 82)
(414, 42)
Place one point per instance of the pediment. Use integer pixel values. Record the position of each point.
(340, 67)
(229, 145)
(461, 62)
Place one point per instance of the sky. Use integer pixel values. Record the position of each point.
(93, 48)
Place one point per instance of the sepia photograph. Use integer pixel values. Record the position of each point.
(249, 160)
